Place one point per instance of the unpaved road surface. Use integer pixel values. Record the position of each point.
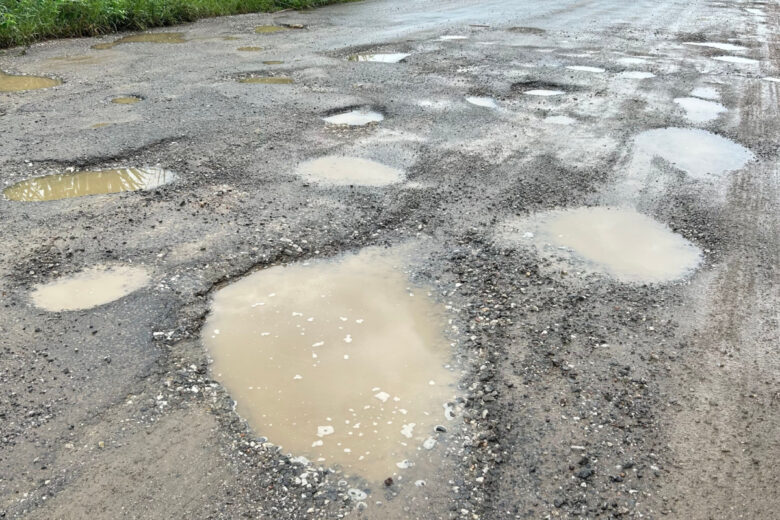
(581, 394)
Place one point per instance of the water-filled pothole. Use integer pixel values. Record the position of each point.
(560, 120)
(126, 100)
(482, 101)
(267, 80)
(700, 110)
(585, 68)
(697, 152)
(619, 242)
(354, 117)
(636, 74)
(342, 361)
(736, 59)
(249, 49)
(17, 83)
(706, 93)
(527, 30)
(395, 57)
(347, 171)
(89, 288)
(268, 29)
(540, 88)
(718, 45)
(80, 184)
(273, 62)
(161, 37)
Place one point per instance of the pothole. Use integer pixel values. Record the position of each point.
(346, 171)
(452, 37)
(621, 243)
(736, 59)
(632, 61)
(126, 100)
(718, 45)
(267, 80)
(585, 68)
(18, 83)
(273, 62)
(560, 120)
(706, 93)
(482, 101)
(636, 74)
(395, 57)
(342, 362)
(83, 183)
(540, 88)
(697, 152)
(268, 29)
(700, 110)
(89, 288)
(527, 30)
(249, 49)
(161, 37)
(354, 117)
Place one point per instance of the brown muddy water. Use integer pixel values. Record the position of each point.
(249, 49)
(83, 183)
(267, 29)
(619, 242)
(89, 288)
(342, 361)
(126, 100)
(162, 37)
(339, 170)
(18, 83)
(267, 80)
(273, 62)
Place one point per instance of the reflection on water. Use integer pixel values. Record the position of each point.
(79, 184)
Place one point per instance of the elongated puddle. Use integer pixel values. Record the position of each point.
(356, 117)
(380, 58)
(89, 288)
(80, 184)
(698, 152)
(346, 171)
(17, 83)
(267, 80)
(482, 101)
(126, 100)
(161, 37)
(619, 242)
(700, 110)
(342, 362)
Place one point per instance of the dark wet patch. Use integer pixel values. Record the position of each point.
(162, 37)
(527, 30)
(18, 83)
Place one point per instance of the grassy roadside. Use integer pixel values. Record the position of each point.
(26, 21)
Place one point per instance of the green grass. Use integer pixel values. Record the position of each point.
(25, 21)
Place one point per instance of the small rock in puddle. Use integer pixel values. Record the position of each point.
(268, 29)
(717, 45)
(355, 117)
(706, 93)
(89, 288)
(700, 110)
(18, 83)
(341, 361)
(482, 101)
(162, 37)
(347, 171)
(267, 80)
(585, 68)
(80, 184)
(380, 58)
(249, 49)
(636, 74)
(618, 242)
(126, 100)
(736, 59)
(697, 152)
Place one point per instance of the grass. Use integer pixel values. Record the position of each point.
(25, 21)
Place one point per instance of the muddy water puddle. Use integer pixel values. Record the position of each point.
(338, 170)
(355, 117)
(89, 288)
(162, 37)
(18, 83)
(697, 152)
(543, 92)
(273, 62)
(482, 101)
(126, 100)
(618, 242)
(267, 80)
(700, 110)
(380, 58)
(83, 183)
(342, 362)
(249, 49)
(585, 68)
(270, 29)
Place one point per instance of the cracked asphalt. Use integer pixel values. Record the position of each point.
(581, 397)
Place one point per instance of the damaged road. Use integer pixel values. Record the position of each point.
(613, 362)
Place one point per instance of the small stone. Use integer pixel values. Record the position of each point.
(388, 481)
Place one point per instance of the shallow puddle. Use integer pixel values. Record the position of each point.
(700, 110)
(698, 152)
(706, 93)
(543, 92)
(80, 184)
(736, 59)
(718, 45)
(268, 80)
(619, 242)
(273, 62)
(636, 74)
(267, 29)
(163, 37)
(482, 101)
(249, 49)
(356, 117)
(771, 79)
(632, 61)
(347, 171)
(89, 288)
(100, 125)
(451, 37)
(585, 68)
(342, 362)
(560, 120)
(126, 100)
(380, 58)
(18, 83)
